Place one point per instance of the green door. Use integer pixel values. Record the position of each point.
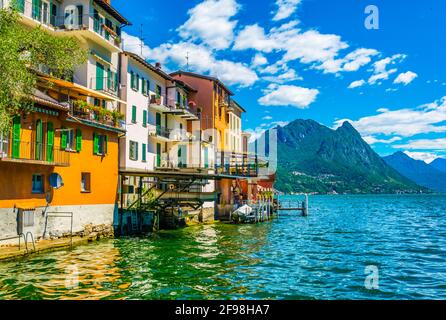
(206, 157)
(99, 76)
(39, 140)
(50, 142)
(158, 155)
(16, 126)
(158, 123)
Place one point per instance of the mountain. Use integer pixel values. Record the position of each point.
(439, 164)
(416, 170)
(314, 158)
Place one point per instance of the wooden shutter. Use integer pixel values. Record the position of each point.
(78, 140)
(16, 127)
(158, 155)
(63, 139)
(144, 118)
(50, 142)
(39, 140)
(105, 137)
(99, 76)
(134, 114)
(144, 151)
(95, 143)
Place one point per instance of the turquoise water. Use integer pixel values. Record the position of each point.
(323, 256)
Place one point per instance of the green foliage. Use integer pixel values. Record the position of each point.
(24, 51)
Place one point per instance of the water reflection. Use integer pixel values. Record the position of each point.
(319, 257)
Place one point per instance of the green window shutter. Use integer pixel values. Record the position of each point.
(144, 118)
(99, 76)
(63, 139)
(144, 151)
(158, 155)
(50, 142)
(16, 127)
(37, 4)
(137, 82)
(109, 79)
(206, 157)
(136, 149)
(134, 114)
(20, 5)
(178, 97)
(95, 143)
(148, 87)
(39, 140)
(116, 81)
(143, 86)
(132, 80)
(78, 140)
(105, 144)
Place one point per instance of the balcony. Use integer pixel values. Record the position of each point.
(237, 164)
(105, 84)
(86, 25)
(159, 132)
(33, 153)
(182, 111)
(82, 110)
(158, 103)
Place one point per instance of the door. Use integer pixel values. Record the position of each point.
(50, 142)
(158, 155)
(99, 76)
(39, 140)
(182, 156)
(206, 157)
(158, 123)
(16, 126)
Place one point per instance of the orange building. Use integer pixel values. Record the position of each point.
(60, 160)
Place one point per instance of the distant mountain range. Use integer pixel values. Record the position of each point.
(439, 164)
(432, 176)
(315, 158)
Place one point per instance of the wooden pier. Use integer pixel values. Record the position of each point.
(289, 205)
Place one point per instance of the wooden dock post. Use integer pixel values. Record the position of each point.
(305, 210)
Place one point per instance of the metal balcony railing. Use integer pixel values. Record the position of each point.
(156, 130)
(106, 84)
(34, 152)
(237, 164)
(94, 113)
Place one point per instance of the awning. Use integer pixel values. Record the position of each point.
(82, 90)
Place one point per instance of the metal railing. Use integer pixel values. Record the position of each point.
(237, 164)
(32, 151)
(157, 100)
(156, 130)
(85, 113)
(106, 84)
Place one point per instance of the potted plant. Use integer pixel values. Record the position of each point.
(117, 117)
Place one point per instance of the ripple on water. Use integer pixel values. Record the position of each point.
(323, 256)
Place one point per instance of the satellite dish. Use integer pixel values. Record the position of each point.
(56, 181)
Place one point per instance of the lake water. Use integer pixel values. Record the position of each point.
(349, 247)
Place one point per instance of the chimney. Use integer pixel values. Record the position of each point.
(158, 65)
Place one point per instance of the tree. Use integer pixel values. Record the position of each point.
(25, 50)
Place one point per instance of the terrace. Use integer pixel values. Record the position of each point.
(32, 152)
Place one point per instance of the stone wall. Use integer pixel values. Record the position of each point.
(88, 220)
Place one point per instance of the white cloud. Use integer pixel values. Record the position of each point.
(287, 76)
(201, 59)
(378, 77)
(424, 144)
(406, 78)
(267, 118)
(351, 62)
(407, 122)
(285, 9)
(374, 140)
(427, 157)
(287, 95)
(259, 60)
(254, 37)
(258, 132)
(210, 21)
(356, 84)
(380, 71)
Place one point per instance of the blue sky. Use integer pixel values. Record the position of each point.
(312, 59)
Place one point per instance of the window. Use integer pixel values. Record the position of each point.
(37, 183)
(100, 144)
(178, 97)
(132, 80)
(67, 140)
(144, 151)
(147, 87)
(85, 182)
(133, 151)
(158, 91)
(137, 82)
(143, 87)
(133, 114)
